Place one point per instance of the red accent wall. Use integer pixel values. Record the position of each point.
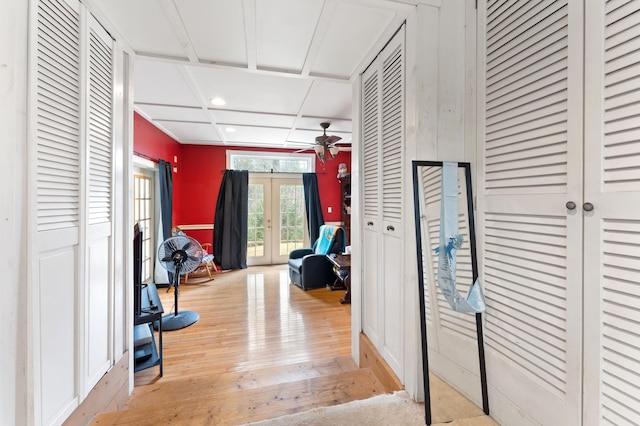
(154, 144)
(200, 169)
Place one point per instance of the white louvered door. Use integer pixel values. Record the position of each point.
(383, 177)
(371, 204)
(392, 201)
(532, 244)
(71, 275)
(98, 284)
(612, 228)
(58, 152)
(566, 257)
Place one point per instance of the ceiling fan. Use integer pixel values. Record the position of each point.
(325, 144)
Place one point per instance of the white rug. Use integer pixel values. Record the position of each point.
(381, 410)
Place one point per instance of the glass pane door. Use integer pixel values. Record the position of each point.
(143, 215)
(257, 235)
(277, 223)
(290, 218)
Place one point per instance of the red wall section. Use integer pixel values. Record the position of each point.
(201, 168)
(152, 143)
(329, 186)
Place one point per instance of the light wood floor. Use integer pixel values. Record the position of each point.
(261, 349)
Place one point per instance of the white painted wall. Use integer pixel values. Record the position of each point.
(440, 125)
(13, 314)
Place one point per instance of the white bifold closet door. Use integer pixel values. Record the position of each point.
(530, 167)
(612, 228)
(559, 211)
(98, 283)
(58, 160)
(383, 215)
(71, 251)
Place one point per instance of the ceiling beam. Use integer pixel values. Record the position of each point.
(403, 6)
(179, 29)
(204, 103)
(299, 114)
(249, 8)
(319, 34)
(242, 68)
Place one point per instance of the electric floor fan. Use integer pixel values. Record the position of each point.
(179, 255)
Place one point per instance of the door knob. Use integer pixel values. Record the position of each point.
(587, 207)
(570, 205)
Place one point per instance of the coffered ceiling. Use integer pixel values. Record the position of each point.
(281, 66)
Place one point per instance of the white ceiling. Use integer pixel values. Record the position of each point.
(282, 66)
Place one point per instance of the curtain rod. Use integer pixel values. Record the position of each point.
(274, 173)
(139, 154)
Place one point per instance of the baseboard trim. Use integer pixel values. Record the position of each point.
(109, 394)
(371, 358)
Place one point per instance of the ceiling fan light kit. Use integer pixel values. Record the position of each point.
(326, 144)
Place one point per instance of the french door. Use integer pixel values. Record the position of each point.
(277, 221)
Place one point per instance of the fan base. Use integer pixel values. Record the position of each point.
(180, 320)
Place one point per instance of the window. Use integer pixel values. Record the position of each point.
(142, 214)
(278, 162)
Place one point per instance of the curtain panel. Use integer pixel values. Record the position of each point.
(315, 219)
(231, 219)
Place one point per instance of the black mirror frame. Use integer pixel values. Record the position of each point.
(474, 265)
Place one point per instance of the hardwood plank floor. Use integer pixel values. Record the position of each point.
(262, 348)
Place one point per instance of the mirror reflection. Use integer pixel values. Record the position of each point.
(451, 326)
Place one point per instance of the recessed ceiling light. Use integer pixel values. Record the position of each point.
(229, 129)
(218, 101)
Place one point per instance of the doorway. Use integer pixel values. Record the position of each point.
(277, 221)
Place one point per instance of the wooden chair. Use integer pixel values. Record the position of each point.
(207, 265)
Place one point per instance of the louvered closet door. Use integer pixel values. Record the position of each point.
(98, 284)
(371, 299)
(612, 228)
(383, 176)
(532, 165)
(392, 201)
(56, 154)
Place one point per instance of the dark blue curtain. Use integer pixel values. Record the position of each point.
(231, 218)
(166, 196)
(166, 200)
(313, 207)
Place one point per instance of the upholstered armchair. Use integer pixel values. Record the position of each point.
(309, 267)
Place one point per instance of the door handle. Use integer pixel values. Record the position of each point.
(369, 223)
(390, 228)
(587, 207)
(570, 205)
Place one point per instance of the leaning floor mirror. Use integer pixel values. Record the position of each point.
(450, 295)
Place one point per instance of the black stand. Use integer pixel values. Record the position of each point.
(150, 313)
(179, 319)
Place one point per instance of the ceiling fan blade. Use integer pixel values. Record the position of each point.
(332, 139)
